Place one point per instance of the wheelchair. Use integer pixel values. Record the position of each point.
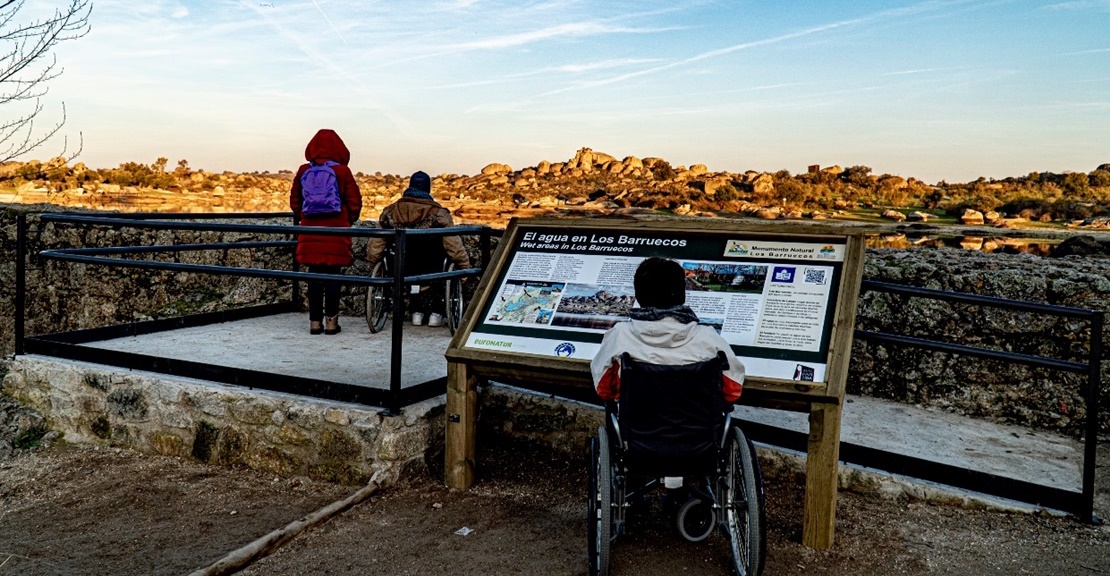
(379, 297)
(671, 423)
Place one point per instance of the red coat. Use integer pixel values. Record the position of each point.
(327, 250)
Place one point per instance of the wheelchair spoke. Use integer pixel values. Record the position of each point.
(601, 505)
(743, 507)
(378, 299)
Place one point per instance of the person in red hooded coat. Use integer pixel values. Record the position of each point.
(320, 253)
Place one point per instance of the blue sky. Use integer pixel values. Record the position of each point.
(936, 90)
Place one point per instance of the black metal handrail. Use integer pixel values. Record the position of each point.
(1083, 506)
(67, 344)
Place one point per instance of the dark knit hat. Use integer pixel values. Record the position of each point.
(421, 181)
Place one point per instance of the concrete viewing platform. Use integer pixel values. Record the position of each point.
(281, 344)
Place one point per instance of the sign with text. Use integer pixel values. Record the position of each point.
(559, 288)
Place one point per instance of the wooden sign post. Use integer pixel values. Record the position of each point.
(783, 296)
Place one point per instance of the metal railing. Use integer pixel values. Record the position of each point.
(1081, 504)
(69, 344)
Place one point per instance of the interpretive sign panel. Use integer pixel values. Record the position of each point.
(782, 295)
(558, 288)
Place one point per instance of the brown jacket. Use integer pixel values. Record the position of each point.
(409, 212)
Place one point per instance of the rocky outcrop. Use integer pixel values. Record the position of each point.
(1083, 245)
(486, 197)
(496, 169)
(972, 218)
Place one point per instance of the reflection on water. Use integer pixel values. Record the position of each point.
(998, 244)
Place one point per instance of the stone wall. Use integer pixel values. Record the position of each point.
(280, 433)
(65, 296)
(1001, 391)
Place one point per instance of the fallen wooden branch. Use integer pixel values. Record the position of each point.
(266, 545)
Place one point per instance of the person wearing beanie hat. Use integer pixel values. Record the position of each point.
(418, 209)
(420, 186)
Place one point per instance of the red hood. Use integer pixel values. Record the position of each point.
(327, 145)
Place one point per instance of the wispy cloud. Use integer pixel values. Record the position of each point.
(923, 71)
(603, 64)
(1092, 51)
(1081, 6)
(702, 56)
(563, 69)
(328, 20)
(569, 30)
(925, 7)
(458, 4)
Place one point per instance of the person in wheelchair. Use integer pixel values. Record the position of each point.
(417, 209)
(669, 383)
(663, 330)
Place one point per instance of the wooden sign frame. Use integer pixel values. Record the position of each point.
(784, 296)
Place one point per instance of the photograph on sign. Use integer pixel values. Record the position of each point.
(771, 299)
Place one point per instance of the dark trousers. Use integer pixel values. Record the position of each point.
(430, 300)
(323, 296)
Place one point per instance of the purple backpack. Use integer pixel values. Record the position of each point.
(320, 190)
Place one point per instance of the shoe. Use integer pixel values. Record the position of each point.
(315, 327)
(435, 319)
(417, 318)
(332, 325)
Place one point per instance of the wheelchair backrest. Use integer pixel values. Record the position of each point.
(671, 414)
(424, 254)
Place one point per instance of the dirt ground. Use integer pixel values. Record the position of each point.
(83, 511)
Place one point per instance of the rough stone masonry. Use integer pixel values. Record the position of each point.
(280, 433)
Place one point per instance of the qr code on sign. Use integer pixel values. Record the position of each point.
(815, 276)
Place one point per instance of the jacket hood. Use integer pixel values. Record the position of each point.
(327, 145)
(665, 333)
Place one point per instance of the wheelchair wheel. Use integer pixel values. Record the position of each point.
(744, 506)
(599, 511)
(696, 520)
(455, 303)
(378, 301)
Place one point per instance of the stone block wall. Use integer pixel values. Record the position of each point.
(538, 420)
(1001, 391)
(279, 433)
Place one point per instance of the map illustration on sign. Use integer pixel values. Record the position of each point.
(526, 302)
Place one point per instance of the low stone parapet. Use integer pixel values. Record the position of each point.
(280, 433)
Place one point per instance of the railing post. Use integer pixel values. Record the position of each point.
(296, 297)
(1090, 444)
(398, 321)
(20, 278)
(484, 246)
